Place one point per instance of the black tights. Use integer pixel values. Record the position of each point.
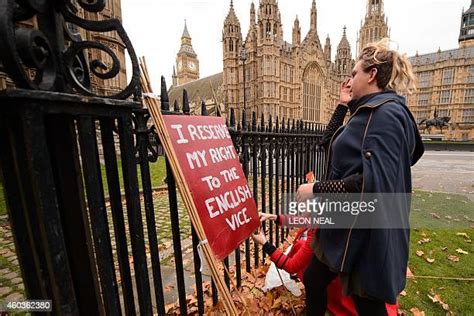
(316, 279)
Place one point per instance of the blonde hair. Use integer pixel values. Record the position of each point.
(394, 70)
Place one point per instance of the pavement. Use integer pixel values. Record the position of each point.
(445, 171)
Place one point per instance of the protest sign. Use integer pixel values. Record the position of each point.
(210, 165)
(181, 182)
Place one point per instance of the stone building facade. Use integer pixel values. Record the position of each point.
(296, 80)
(375, 25)
(446, 86)
(110, 39)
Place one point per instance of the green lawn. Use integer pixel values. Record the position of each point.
(157, 174)
(439, 238)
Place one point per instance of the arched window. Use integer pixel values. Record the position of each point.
(312, 93)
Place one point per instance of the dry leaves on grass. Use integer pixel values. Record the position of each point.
(420, 253)
(453, 258)
(465, 235)
(459, 250)
(435, 215)
(435, 298)
(423, 241)
(430, 260)
(417, 312)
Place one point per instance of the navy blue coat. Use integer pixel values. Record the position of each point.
(380, 141)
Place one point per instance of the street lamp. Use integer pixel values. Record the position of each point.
(243, 58)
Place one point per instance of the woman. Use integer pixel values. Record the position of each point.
(372, 153)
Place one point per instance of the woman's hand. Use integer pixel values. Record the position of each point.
(259, 237)
(265, 217)
(305, 192)
(345, 94)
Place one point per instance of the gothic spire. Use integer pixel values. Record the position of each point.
(186, 45)
(344, 43)
(185, 31)
(314, 16)
(231, 16)
(252, 14)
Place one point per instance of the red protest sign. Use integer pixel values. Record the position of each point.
(210, 165)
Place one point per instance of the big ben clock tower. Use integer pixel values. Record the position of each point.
(186, 61)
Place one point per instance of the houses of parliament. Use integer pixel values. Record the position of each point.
(265, 74)
(270, 76)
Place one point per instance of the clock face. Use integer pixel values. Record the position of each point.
(191, 65)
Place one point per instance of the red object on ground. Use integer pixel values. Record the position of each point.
(299, 258)
(215, 179)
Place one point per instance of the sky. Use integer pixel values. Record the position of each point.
(155, 26)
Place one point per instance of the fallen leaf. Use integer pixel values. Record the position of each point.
(463, 235)
(430, 260)
(459, 250)
(417, 312)
(437, 299)
(453, 258)
(169, 287)
(435, 215)
(448, 217)
(276, 303)
(419, 253)
(423, 241)
(444, 248)
(403, 293)
(445, 306)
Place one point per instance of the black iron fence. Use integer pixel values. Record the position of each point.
(81, 204)
(75, 248)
